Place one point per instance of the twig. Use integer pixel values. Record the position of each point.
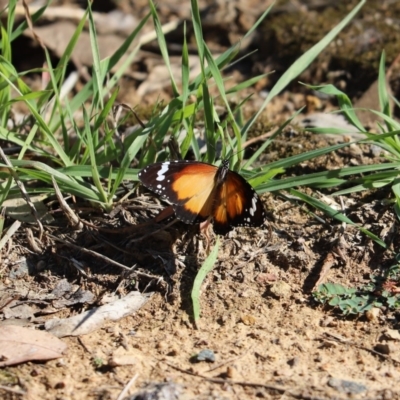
(8, 389)
(227, 381)
(73, 219)
(221, 381)
(35, 247)
(30, 24)
(90, 252)
(84, 345)
(128, 385)
(258, 138)
(231, 360)
(359, 346)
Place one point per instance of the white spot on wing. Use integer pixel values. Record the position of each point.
(162, 171)
(253, 207)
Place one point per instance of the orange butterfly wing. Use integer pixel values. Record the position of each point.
(237, 204)
(198, 191)
(188, 185)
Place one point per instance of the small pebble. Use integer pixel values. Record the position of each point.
(328, 321)
(294, 361)
(205, 355)
(373, 314)
(281, 289)
(348, 387)
(230, 373)
(248, 320)
(392, 334)
(387, 394)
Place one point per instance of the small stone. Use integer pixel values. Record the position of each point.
(61, 362)
(59, 385)
(329, 344)
(281, 289)
(373, 314)
(162, 346)
(205, 355)
(392, 334)
(387, 394)
(248, 320)
(20, 270)
(231, 373)
(174, 351)
(119, 358)
(328, 321)
(294, 362)
(348, 387)
(264, 278)
(41, 266)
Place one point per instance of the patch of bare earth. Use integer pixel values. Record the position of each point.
(268, 336)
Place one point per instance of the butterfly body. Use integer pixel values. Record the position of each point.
(199, 191)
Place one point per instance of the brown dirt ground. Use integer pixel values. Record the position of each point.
(270, 338)
(257, 313)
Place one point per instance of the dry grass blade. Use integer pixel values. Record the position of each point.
(10, 232)
(30, 24)
(73, 219)
(23, 191)
(126, 388)
(327, 265)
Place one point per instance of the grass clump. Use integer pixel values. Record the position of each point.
(93, 166)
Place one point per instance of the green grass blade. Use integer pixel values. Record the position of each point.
(163, 46)
(335, 214)
(198, 32)
(324, 179)
(302, 63)
(66, 183)
(97, 73)
(344, 103)
(201, 274)
(382, 88)
(90, 142)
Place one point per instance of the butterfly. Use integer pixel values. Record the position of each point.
(199, 191)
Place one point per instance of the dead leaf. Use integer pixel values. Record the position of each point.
(18, 345)
(370, 101)
(20, 210)
(21, 311)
